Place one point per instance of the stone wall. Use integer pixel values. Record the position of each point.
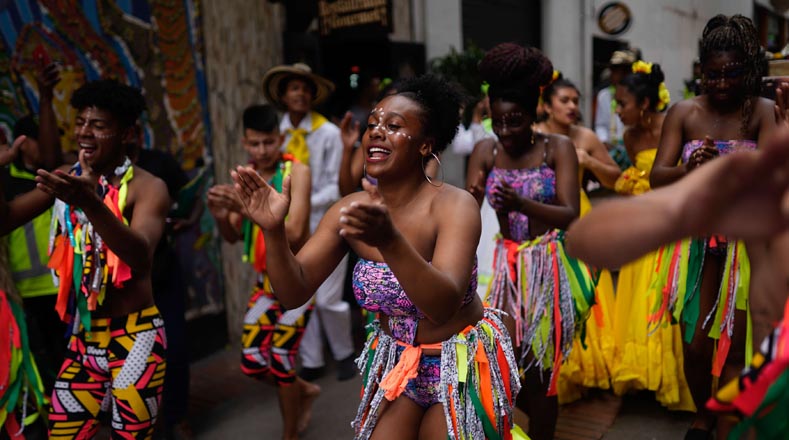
(242, 40)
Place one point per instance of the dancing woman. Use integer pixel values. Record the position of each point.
(531, 180)
(438, 362)
(713, 297)
(646, 357)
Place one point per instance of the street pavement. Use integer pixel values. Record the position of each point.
(225, 404)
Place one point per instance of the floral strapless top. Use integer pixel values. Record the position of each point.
(377, 290)
(538, 184)
(724, 147)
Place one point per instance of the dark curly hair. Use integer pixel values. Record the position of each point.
(125, 103)
(550, 90)
(516, 73)
(736, 33)
(440, 102)
(646, 86)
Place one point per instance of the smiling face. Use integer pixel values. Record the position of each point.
(262, 147)
(512, 124)
(391, 140)
(100, 138)
(297, 96)
(723, 77)
(563, 108)
(627, 107)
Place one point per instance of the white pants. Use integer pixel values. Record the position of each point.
(331, 314)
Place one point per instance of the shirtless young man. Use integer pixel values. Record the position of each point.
(115, 213)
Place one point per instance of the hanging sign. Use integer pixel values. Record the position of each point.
(356, 15)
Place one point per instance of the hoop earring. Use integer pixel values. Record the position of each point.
(441, 170)
(532, 137)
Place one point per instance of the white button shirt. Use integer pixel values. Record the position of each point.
(325, 145)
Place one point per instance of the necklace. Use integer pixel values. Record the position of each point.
(82, 263)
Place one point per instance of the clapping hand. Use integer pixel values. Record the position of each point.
(222, 199)
(703, 154)
(262, 203)
(506, 198)
(74, 190)
(8, 154)
(349, 131)
(368, 222)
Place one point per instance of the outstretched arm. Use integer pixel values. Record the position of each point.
(48, 134)
(134, 244)
(294, 278)
(722, 197)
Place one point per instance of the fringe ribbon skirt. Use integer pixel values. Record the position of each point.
(479, 380)
(548, 293)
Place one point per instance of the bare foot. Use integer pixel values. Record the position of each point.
(309, 391)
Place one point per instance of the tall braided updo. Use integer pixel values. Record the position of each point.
(646, 86)
(736, 33)
(516, 73)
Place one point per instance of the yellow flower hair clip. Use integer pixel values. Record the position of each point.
(642, 67)
(664, 98)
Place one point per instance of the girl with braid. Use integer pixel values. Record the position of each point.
(437, 363)
(531, 180)
(702, 282)
(646, 357)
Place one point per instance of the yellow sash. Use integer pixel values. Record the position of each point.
(297, 145)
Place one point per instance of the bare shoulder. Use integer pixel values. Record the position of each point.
(148, 184)
(583, 137)
(452, 203)
(558, 142)
(452, 195)
(765, 107)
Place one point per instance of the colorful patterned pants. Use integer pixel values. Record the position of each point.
(119, 365)
(272, 336)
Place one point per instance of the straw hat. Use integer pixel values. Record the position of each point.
(274, 77)
(622, 58)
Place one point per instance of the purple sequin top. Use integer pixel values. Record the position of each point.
(538, 184)
(377, 290)
(724, 147)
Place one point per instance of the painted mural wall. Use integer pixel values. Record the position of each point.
(154, 45)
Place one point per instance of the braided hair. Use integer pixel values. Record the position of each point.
(516, 73)
(440, 103)
(736, 33)
(645, 86)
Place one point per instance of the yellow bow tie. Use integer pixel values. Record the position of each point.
(297, 145)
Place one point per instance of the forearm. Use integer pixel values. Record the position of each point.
(619, 231)
(605, 173)
(131, 247)
(554, 216)
(49, 139)
(431, 291)
(289, 283)
(666, 175)
(228, 232)
(347, 182)
(24, 209)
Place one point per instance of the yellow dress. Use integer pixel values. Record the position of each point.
(589, 366)
(645, 358)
